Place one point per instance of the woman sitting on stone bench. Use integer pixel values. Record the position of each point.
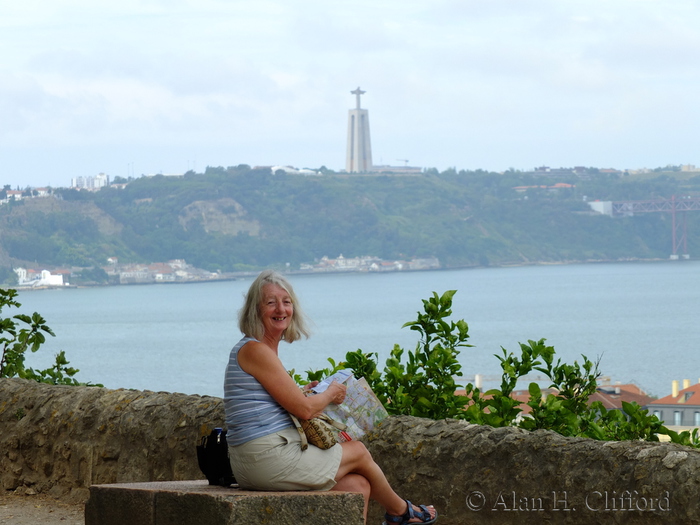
(264, 445)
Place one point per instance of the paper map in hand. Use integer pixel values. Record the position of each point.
(361, 409)
(340, 376)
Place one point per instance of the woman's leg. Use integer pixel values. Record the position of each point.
(357, 460)
(355, 483)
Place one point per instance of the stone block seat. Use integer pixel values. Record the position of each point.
(197, 502)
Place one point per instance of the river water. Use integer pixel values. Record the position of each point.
(641, 319)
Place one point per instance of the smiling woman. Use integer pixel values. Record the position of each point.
(276, 309)
(259, 396)
(272, 311)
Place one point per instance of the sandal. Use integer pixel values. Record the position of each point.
(423, 514)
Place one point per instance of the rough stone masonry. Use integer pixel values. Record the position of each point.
(61, 440)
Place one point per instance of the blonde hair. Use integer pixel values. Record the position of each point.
(249, 320)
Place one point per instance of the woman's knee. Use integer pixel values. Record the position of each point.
(362, 484)
(354, 483)
(358, 451)
(355, 457)
(358, 447)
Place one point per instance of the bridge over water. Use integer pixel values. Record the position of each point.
(676, 206)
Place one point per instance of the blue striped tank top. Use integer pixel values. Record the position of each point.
(250, 411)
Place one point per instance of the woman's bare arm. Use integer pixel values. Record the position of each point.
(260, 361)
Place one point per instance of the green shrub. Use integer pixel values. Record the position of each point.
(21, 333)
(423, 385)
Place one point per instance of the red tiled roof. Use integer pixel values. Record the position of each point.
(606, 394)
(556, 186)
(687, 396)
(613, 396)
(160, 267)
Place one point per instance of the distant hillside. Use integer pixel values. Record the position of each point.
(238, 218)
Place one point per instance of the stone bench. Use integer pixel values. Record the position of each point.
(198, 503)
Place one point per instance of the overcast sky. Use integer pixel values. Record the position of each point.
(140, 87)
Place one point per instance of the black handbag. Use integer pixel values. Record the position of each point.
(212, 456)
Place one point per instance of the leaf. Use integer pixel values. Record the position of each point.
(534, 389)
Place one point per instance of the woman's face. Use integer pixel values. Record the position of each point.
(276, 309)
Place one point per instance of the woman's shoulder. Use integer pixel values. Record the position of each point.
(242, 342)
(251, 342)
(254, 351)
(236, 350)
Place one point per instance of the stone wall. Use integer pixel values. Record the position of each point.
(63, 439)
(479, 474)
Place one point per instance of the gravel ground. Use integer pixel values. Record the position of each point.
(39, 509)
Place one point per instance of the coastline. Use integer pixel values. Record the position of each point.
(233, 276)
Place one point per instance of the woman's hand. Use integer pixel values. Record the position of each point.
(310, 385)
(337, 392)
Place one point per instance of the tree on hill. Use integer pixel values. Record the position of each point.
(228, 218)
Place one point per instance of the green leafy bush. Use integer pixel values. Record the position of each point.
(21, 333)
(423, 385)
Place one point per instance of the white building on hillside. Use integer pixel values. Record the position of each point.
(90, 183)
(32, 278)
